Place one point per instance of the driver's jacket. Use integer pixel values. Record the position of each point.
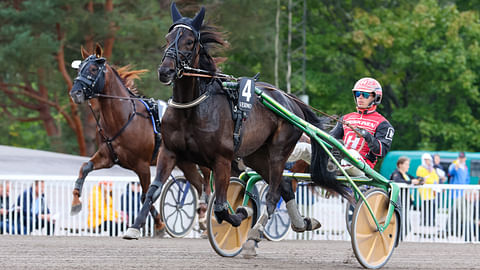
(375, 124)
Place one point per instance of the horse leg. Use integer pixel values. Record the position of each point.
(144, 175)
(99, 160)
(222, 178)
(165, 164)
(299, 223)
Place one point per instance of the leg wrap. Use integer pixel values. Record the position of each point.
(221, 213)
(85, 170)
(256, 233)
(295, 217)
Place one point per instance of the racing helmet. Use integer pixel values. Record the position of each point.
(369, 85)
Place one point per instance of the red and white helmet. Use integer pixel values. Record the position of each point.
(369, 85)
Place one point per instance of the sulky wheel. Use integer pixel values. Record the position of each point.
(372, 248)
(278, 225)
(225, 239)
(178, 207)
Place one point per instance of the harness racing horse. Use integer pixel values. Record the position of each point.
(199, 129)
(124, 123)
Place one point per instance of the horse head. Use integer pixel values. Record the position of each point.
(183, 45)
(90, 80)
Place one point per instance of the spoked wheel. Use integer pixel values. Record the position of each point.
(278, 225)
(178, 207)
(225, 239)
(372, 248)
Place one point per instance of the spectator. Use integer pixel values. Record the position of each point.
(459, 175)
(442, 176)
(130, 202)
(101, 214)
(427, 195)
(4, 205)
(401, 175)
(33, 206)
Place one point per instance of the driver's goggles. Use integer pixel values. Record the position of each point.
(364, 94)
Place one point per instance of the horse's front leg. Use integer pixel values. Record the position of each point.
(99, 160)
(144, 174)
(221, 173)
(165, 165)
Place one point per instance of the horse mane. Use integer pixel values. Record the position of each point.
(210, 38)
(128, 76)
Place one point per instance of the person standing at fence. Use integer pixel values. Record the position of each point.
(4, 205)
(427, 195)
(101, 214)
(130, 202)
(36, 214)
(401, 175)
(442, 175)
(459, 175)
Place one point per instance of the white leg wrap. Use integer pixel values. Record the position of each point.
(295, 217)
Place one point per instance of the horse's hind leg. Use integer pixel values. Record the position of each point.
(98, 161)
(299, 223)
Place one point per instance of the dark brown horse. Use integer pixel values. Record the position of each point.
(199, 129)
(127, 132)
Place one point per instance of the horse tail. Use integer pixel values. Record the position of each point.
(319, 160)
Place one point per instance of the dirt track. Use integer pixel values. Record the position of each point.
(115, 253)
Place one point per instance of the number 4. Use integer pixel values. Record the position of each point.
(247, 90)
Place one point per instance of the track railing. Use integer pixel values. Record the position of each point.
(452, 214)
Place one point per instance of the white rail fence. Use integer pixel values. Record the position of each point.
(452, 216)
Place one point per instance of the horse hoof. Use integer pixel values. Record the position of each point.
(202, 223)
(131, 234)
(312, 224)
(160, 231)
(248, 249)
(75, 209)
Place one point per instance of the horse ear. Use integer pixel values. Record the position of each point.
(84, 52)
(98, 50)
(175, 13)
(198, 20)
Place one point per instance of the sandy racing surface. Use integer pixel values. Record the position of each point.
(41, 252)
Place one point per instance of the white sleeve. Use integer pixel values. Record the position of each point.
(301, 151)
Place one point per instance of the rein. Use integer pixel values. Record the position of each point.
(336, 119)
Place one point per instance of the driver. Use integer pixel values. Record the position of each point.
(376, 132)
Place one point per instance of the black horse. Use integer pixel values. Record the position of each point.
(199, 129)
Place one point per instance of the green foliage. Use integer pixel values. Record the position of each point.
(424, 53)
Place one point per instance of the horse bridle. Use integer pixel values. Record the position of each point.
(186, 59)
(92, 86)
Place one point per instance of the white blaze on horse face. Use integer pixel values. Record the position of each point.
(76, 64)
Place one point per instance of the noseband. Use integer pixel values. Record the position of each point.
(91, 86)
(186, 59)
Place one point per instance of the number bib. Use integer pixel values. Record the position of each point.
(246, 95)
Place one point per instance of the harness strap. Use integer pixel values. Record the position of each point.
(190, 104)
(109, 141)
